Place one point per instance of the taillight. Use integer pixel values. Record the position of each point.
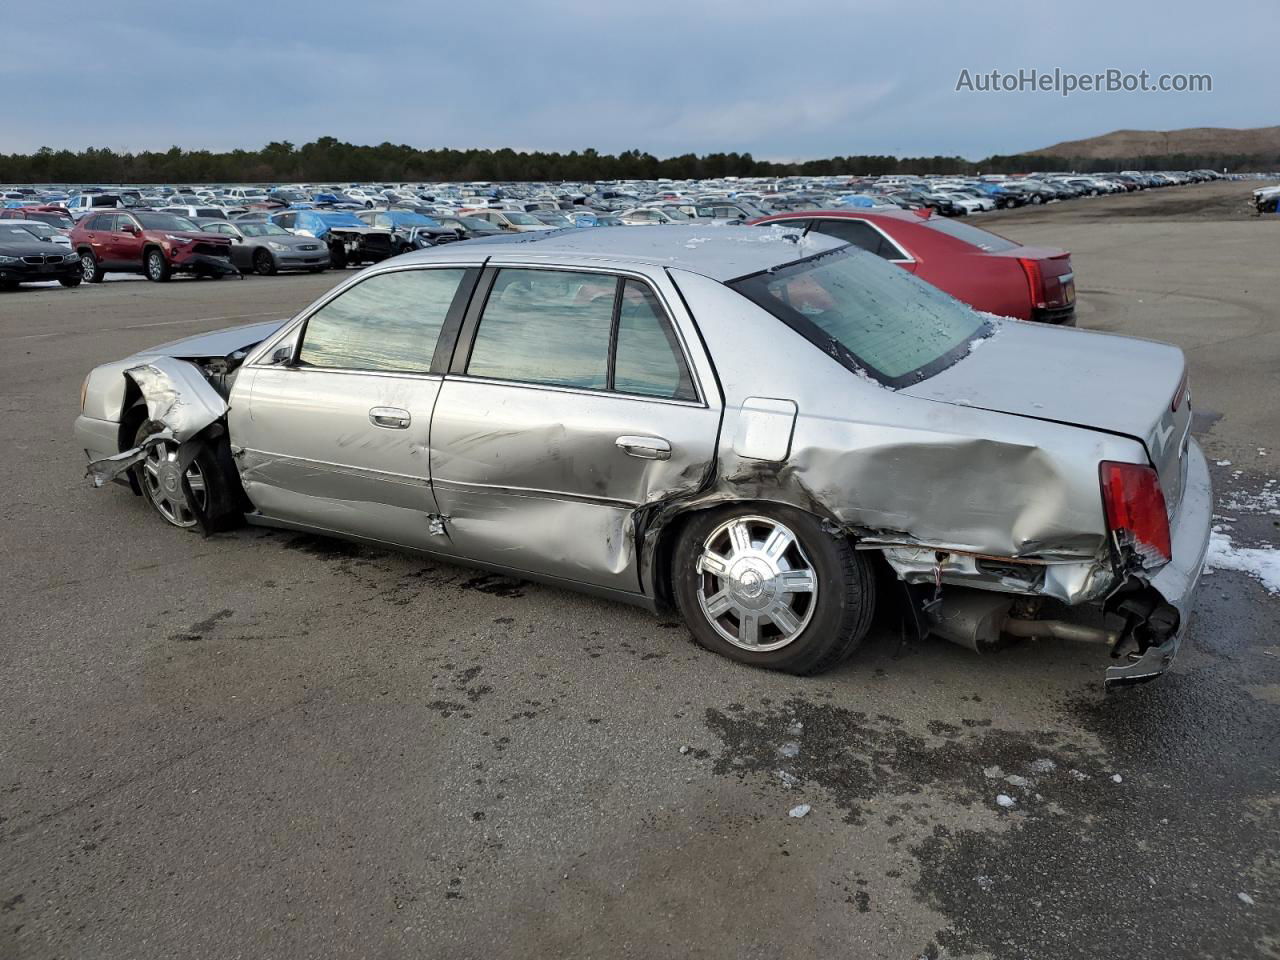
(1035, 281)
(1135, 508)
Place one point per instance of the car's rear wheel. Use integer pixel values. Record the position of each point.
(768, 586)
(264, 265)
(90, 269)
(157, 266)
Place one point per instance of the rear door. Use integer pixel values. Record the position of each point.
(335, 434)
(573, 398)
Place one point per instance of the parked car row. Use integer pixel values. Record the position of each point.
(219, 231)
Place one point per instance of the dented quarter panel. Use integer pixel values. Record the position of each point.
(905, 469)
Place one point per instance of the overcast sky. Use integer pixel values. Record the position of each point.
(782, 79)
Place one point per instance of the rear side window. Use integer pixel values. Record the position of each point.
(974, 236)
(546, 326)
(388, 323)
(648, 360)
(586, 330)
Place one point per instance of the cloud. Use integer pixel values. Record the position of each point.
(793, 80)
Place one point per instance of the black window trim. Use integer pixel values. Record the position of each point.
(465, 341)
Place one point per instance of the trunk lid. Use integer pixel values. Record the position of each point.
(1093, 380)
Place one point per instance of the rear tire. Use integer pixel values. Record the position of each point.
(766, 585)
(90, 269)
(156, 266)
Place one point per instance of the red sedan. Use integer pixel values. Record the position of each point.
(985, 270)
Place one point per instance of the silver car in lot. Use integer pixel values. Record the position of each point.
(768, 433)
(267, 248)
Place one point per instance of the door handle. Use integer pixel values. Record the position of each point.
(393, 418)
(645, 448)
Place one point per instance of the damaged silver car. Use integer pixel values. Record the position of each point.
(768, 433)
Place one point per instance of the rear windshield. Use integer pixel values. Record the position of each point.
(868, 314)
(974, 236)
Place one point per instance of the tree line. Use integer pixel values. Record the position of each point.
(328, 159)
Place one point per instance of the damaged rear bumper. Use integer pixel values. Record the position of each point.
(1177, 580)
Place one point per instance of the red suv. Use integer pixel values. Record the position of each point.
(985, 270)
(154, 244)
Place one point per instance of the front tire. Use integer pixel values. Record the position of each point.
(157, 267)
(90, 269)
(160, 481)
(769, 587)
(71, 281)
(264, 264)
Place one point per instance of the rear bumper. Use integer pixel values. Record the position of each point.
(1177, 580)
(205, 263)
(1061, 316)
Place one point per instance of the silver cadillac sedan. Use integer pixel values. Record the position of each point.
(765, 432)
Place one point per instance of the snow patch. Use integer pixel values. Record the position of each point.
(1261, 563)
(799, 811)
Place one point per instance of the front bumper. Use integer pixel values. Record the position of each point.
(205, 263)
(22, 272)
(1177, 580)
(98, 438)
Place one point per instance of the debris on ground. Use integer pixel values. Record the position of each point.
(799, 811)
(1004, 800)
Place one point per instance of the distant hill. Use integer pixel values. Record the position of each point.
(1154, 143)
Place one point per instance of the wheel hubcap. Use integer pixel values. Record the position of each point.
(162, 480)
(756, 587)
(156, 265)
(87, 267)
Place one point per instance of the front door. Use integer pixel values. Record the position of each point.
(569, 404)
(335, 434)
(126, 247)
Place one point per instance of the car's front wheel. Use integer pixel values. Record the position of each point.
(90, 269)
(264, 265)
(157, 266)
(770, 587)
(72, 281)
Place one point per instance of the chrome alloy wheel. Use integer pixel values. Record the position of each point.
(163, 483)
(756, 587)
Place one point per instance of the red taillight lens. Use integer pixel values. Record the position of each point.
(1035, 282)
(1135, 509)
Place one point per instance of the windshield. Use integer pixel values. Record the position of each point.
(41, 230)
(412, 220)
(265, 229)
(475, 223)
(16, 234)
(337, 219)
(974, 236)
(522, 219)
(868, 314)
(165, 221)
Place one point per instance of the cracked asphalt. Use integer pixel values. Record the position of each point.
(263, 744)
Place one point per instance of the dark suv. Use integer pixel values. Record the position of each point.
(154, 244)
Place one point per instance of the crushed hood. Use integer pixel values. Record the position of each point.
(216, 343)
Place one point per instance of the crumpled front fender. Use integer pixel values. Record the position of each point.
(177, 396)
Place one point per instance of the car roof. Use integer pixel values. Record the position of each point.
(721, 252)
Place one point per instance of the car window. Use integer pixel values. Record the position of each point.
(546, 326)
(648, 360)
(860, 234)
(389, 322)
(975, 236)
